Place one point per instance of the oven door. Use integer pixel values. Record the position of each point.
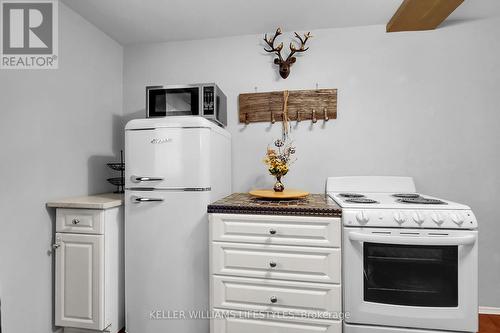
(411, 278)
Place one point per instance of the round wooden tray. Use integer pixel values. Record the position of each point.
(286, 194)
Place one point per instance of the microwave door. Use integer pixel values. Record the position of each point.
(182, 102)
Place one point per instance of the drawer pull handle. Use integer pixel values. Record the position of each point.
(272, 231)
(56, 246)
(272, 264)
(274, 299)
(75, 221)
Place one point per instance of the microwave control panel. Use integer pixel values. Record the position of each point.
(208, 100)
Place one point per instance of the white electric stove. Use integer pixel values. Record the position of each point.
(409, 259)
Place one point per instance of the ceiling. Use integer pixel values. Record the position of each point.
(146, 21)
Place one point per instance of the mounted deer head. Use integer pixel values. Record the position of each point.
(286, 64)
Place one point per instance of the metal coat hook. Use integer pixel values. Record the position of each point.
(314, 119)
(325, 114)
(246, 119)
(273, 119)
(298, 117)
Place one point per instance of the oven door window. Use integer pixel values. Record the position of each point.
(412, 275)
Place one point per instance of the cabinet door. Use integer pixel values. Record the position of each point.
(79, 289)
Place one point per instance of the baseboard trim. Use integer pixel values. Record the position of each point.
(489, 310)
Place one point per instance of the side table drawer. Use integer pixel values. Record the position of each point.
(85, 221)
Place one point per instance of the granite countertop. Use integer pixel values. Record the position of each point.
(244, 203)
(98, 201)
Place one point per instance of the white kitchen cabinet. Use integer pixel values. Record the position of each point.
(282, 270)
(89, 269)
(79, 281)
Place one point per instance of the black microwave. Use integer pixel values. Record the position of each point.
(206, 100)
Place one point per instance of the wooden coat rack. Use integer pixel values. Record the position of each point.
(302, 105)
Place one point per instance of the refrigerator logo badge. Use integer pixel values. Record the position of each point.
(162, 140)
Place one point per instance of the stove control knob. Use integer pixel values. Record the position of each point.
(457, 218)
(418, 217)
(437, 218)
(362, 217)
(399, 217)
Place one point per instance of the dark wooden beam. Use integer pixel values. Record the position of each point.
(415, 15)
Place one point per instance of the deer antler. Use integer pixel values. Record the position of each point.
(302, 47)
(290, 60)
(270, 42)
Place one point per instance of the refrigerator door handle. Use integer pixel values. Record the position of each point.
(136, 199)
(137, 179)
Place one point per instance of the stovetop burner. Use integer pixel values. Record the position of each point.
(351, 195)
(422, 201)
(406, 195)
(361, 200)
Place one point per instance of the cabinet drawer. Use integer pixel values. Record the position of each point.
(275, 296)
(277, 262)
(233, 324)
(281, 230)
(85, 221)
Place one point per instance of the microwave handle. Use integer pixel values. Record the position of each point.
(402, 240)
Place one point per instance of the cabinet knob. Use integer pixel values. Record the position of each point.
(272, 264)
(274, 299)
(56, 246)
(272, 231)
(75, 221)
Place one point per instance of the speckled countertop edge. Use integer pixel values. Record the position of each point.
(242, 203)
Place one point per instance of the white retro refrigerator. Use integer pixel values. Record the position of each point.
(175, 167)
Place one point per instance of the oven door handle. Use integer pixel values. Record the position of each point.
(410, 240)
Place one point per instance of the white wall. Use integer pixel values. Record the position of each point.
(57, 129)
(422, 104)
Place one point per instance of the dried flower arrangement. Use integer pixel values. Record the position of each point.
(278, 161)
